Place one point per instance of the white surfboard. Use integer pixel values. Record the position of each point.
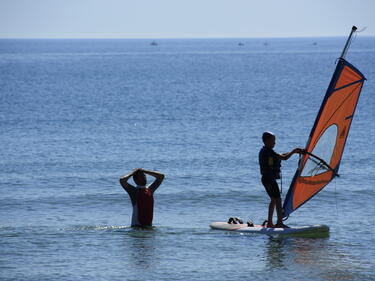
(317, 230)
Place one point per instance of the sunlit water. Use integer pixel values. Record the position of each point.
(75, 115)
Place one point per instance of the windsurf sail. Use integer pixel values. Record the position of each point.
(328, 136)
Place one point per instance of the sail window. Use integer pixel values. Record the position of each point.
(324, 150)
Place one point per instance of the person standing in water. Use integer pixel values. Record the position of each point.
(270, 163)
(142, 196)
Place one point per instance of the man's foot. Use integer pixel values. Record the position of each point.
(270, 225)
(281, 225)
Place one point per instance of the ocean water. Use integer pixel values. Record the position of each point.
(75, 115)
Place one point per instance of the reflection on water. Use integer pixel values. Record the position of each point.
(319, 257)
(275, 252)
(302, 251)
(141, 251)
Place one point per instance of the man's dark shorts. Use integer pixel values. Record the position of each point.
(271, 186)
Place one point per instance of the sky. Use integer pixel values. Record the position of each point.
(184, 18)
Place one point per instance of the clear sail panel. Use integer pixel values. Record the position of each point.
(323, 149)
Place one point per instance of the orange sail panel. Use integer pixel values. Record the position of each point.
(327, 139)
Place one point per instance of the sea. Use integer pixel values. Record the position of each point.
(76, 115)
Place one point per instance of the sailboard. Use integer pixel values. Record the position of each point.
(327, 139)
(317, 230)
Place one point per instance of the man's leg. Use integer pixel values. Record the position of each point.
(271, 207)
(279, 211)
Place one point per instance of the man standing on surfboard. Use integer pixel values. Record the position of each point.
(142, 196)
(270, 163)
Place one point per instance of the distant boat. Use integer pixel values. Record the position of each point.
(265, 43)
(153, 43)
(241, 44)
(315, 43)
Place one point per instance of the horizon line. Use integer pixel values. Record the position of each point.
(172, 38)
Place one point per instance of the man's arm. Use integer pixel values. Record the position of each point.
(286, 156)
(124, 182)
(159, 177)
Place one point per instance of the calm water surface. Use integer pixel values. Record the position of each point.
(75, 115)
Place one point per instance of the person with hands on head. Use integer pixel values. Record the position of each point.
(141, 195)
(270, 163)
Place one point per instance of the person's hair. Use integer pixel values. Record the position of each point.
(139, 178)
(266, 136)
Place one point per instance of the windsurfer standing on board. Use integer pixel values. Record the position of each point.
(270, 163)
(142, 196)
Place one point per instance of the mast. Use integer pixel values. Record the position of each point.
(346, 47)
(337, 109)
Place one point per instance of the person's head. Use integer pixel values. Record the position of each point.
(269, 139)
(139, 178)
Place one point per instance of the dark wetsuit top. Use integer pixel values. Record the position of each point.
(270, 165)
